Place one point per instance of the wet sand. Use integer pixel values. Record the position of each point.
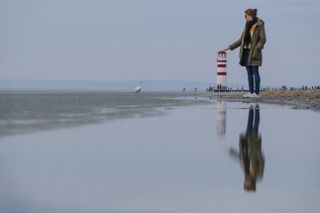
(301, 98)
(37, 110)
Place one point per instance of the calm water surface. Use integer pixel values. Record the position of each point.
(167, 155)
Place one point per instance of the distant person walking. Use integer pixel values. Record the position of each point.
(251, 43)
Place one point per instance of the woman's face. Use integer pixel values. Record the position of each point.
(247, 17)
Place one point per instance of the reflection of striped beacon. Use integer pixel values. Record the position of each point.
(222, 70)
(221, 118)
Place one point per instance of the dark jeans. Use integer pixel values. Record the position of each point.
(253, 120)
(253, 74)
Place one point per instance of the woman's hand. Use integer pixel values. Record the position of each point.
(226, 49)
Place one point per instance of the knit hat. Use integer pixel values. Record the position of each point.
(251, 12)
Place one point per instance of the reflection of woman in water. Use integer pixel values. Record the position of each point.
(251, 156)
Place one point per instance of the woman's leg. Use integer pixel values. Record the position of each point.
(256, 120)
(250, 78)
(250, 121)
(255, 72)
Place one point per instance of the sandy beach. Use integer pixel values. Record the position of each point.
(299, 99)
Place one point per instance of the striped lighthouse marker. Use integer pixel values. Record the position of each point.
(222, 71)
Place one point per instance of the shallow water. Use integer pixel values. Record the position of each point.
(203, 158)
(29, 111)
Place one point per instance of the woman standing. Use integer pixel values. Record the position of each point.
(251, 44)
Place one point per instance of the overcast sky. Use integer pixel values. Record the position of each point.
(154, 39)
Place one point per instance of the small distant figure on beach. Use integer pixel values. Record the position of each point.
(251, 43)
(250, 151)
(138, 87)
(184, 90)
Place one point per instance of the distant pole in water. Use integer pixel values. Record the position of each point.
(222, 71)
(138, 87)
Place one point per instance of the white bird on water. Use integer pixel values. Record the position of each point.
(138, 88)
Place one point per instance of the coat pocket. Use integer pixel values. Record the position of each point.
(256, 53)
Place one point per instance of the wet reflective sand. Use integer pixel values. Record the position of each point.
(29, 111)
(218, 157)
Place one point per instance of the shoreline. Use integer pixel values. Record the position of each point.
(297, 99)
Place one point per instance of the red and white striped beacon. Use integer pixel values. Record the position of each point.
(222, 70)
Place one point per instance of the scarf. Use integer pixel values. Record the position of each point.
(247, 36)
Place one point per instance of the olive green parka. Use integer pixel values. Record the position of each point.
(258, 40)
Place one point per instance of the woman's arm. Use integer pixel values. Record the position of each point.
(235, 44)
